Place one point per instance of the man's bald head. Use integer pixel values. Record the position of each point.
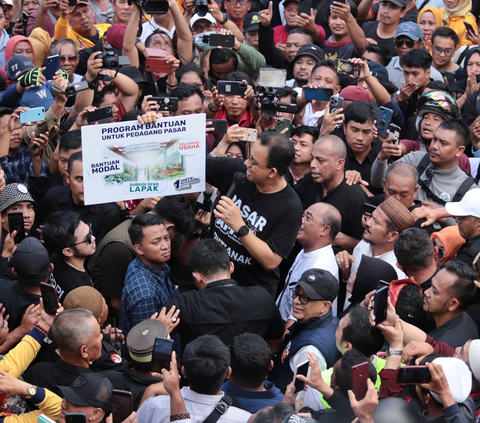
(332, 145)
(329, 216)
(405, 170)
(401, 183)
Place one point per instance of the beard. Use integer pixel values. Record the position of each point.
(301, 82)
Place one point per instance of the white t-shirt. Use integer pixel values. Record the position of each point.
(150, 26)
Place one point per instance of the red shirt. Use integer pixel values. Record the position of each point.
(246, 121)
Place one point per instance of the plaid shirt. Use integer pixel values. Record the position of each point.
(145, 292)
(19, 168)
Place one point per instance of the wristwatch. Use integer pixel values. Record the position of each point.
(391, 351)
(195, 235)
(244, 230)
(31, 391)
(225, 19)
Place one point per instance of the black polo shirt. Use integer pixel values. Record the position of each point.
(49, 375)
(16, 301)
(349, 201)
(469, 250)
(103, 217)
(226, 309)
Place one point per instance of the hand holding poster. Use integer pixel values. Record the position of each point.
(129, 161)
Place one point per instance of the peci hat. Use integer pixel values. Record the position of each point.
(251, 22)
(133, 73)
(310, 50)
(89, 390)
(354, 93)
(397, 213)
(196, 17)
(141, 339)
(18, 65)
(378, 71)
(86, 297)
(14, 193)
(410, 30)
(469, 205)
(31, 258)
(458, 377)
(319, 285)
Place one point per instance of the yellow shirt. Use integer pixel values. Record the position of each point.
(63, 30)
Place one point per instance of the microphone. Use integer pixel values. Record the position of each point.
(238, 180)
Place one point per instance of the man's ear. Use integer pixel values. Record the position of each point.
(67, 252)
(392, 236)
(232, 268)
(421, 44)
(229, 372)
(271, 366)
(182, 371)
(138, 249)
(459, 151)
(454, 304)
(67, 178)
(96, 414)
(403, 13)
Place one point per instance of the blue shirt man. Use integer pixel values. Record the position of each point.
(147, 287)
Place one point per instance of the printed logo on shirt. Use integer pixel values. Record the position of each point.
(59, 290)
(286, 351)
(116, 358)
(445, 196)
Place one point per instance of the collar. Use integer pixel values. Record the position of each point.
(71, 368)
(221, 283)
(161, 273)
(271, 391)
(246, 118)
(332, 43)
(202, 399)
(313, 322)
(142, 380)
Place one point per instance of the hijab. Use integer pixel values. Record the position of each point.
(463, 8)
(437, 13)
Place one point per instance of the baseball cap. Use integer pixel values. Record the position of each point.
(86, 297)
(319, 285)
(458, 377)
(196, 17)
(17, 65)
(133, 73)
(251, 22)
(8, 2)
(399, 3)
(89, 390)
(14, 193)
(31, 258)
(141, 339)
(411, 30)
(310, 50)
(378, 71)
(354, 93)
(115, 34)
(469, 205)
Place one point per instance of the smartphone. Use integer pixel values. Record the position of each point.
(302, 369)
(33, 115)
(412, 375)
(162, 354)
(470, 28)
(166, 104)
(158, 64)
(272, 77)
(15, 223)
(72, 3)
(394, 131)
(304, 6)
(348, 68)
(101, 114)
(319, 94)
(219, 126)
(50, 299)
(24, 22)
(122, 404)
(384, 119)
(249, 134)
(380, 304)
(281, 124)
(360, 376)
(383, 283)
(221, 40)
(476, 265)
(450, 77)
(336, 102)
(368, 209)
(232, 87)
(75, 418)
(52, 65)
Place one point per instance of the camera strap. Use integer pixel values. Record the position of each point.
(219, 410)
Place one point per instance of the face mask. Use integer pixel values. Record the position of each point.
(198, 40)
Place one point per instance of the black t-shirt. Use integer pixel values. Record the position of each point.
(347, 199)
(370, 30)
(66, 278)
(410, 16)
(16, 301)
(344, 50)
(273, 218)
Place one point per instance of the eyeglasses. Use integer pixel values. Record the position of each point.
(459, 353)
(200, 28)
(441, 251)
(71, 58)
(446, 51)
(255, 163)
(401, 41)
(87, 239)
(234, 2)
(302, 298)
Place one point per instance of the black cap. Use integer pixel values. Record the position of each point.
(310, 50)
(30, 258)
(89, 390)
(319, 285)
(133, 73)
(251, 22)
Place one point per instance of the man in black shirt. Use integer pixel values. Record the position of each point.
(259, 225)
(73, 241)
(303, 137)
(212, 270)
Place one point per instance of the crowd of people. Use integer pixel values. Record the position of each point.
(339, 282)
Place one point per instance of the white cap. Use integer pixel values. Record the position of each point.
(197, 17)
(8, 2)
(458, 377)
(469, 205)
(474, 358)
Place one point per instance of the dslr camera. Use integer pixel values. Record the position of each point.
(110, 58)
(152, 7)
(201, 7)
(268, 83)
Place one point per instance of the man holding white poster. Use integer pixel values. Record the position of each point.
(259, 224)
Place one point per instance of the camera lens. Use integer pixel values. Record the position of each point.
(201, 7)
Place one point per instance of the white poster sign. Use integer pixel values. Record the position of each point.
(129, 161)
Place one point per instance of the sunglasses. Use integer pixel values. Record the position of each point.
(88, 238)
(400, 42)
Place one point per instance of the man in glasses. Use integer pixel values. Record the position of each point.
(313, 332)
(237, 10)
(69, 58)
(444, 44)
(73, 241)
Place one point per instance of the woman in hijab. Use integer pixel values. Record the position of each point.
(454, 14)
(464, 88)
(365, 279)
(429, 19)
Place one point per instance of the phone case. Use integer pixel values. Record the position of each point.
(283, 123)
(380, 304)
(52, 65)
(166, 104)
(359, 380)
(347, 68)
(232, 87)
(15, 223)
(33, 115)
(220, 126)
(336, 102)
(158, 64)
(99, 115)
(383, 121)
(305, 6)
(217, 40)
(319, 94)
(250, 134)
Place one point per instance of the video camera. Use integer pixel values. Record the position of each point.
(268, 83)
(152, 7)
(73, 88)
